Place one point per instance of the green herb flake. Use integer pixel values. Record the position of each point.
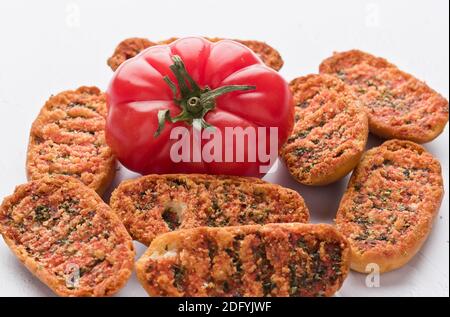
(179, 274)
(42, 213)
(302, 151)
(268, 287)
(170, 216)
(341, 74)
(303, 104)
(407, 172)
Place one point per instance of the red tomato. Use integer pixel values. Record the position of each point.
(184, 81)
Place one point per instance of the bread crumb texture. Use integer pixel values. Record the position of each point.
(67, 236)
(270, 260)
(399, 105)
(330, 131)
(68, 138)
(156, 204)
(390, 204)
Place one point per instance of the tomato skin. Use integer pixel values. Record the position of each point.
(137, 92)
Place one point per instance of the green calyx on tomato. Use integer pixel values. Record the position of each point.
(194, 101)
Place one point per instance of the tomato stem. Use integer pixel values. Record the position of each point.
(194, 101)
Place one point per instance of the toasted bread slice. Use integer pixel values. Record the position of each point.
(391, 201)
(399, 106)
(271, 260)
(129, 48)
(330, 131)
(67, 236)
(156, 204)
(68, 138)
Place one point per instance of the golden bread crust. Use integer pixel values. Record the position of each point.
(271, 260)
(330, 131)
(391, 201)
(156, 204)
(68, 138)
(399, 106)
(67, 236)
(127, 49)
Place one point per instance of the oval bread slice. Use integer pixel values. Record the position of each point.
(68, 138)
(129, 48)
(330, 131)
(399, 105)
(156, 204)
(270, 260)
(67, 236)
(391, 201)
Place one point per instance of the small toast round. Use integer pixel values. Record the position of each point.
(68, 138)
(391, 201)
(129, 48)
(67, 236)
(399, 106)
(271, 260)
(330, 131)
(157, 204)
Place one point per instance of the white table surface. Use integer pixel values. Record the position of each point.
(50, 46)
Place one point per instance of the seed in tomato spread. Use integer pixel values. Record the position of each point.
(68, 138)
(391, 201)
(330, 131)
(67, 236)
(156, 204)
(399, 105)
(270, 260)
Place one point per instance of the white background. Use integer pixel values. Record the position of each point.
(50, 46)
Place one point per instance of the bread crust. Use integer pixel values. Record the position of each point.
(399, 105)
(156, 204)
(271, 260)
(129, 48)
(390, 204)
(330, 132)
(68, 137)
(56, 224)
